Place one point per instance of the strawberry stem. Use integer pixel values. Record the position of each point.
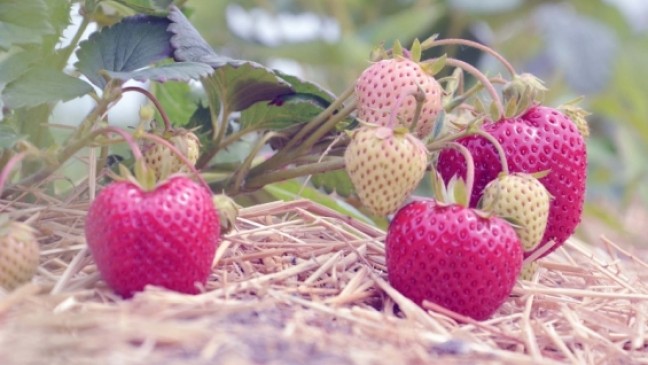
(137, 153)
(6, 170)
(419, 97)
(299, 171)
(183, 158)
(155, 101)
(470, 167)
(242, 171)
(483, 79)
(498, 147)
(469, 43)
(318, 127)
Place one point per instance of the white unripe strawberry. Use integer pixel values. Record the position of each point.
(528, 270)
(523, 200)
(385, 165)
(164, 162)
(19, 254)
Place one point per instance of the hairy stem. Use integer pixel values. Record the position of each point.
(321, 117)
(483, 79)
(155, 101)
(287, 155)
(67, 51)
(6, 170)
(469, 43)
(498, 147)
(470, 166)
(228, 140)
(299, 171)
(243, 170)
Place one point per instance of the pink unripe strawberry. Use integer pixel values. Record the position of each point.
(385, 166)
(380, 86)
(164, 237)
(453, 256)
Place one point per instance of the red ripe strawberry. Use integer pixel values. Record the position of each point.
(381, 85)
(452, 256)
(165, 237)
(542, 139)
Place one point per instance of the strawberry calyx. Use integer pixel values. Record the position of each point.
(227, 209)
(577, 115)
(521, 93)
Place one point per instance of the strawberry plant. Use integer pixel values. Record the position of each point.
(372, 144)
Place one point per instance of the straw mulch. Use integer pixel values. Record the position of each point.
(297, 283)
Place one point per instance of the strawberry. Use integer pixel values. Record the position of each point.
(542, 139)
(384, 165)
(164, 162)
(528, 270)
(165, 237)
(453, 256)
(19, 254)
(522, 199)
(380, 86)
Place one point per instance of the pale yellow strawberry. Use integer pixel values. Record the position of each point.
(385, 165)
(523, 200)
(19, 254)
(528, 270)
(164, 162)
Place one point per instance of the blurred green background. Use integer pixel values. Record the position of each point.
(592, 48)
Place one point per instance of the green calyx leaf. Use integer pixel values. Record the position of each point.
(397, 49)
(416, 51)
(434, 66)
(522, 92)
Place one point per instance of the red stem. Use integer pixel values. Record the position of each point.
(6, 170)
(481, 47)
(155, 101)
(470, 166)
(183, 158)
(483, 79)
(498, 147)
(137, 153)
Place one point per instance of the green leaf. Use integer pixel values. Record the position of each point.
(293, 189)
(16, 65)
(59, 16)
(307, 101)
(23, 22)
(179, 71)
(236, 83)
(187, 43)
(176, 100)
(131, 44)
(241, 84)
(146, 6)
(9, 136)
(334, 182)
(43, 85)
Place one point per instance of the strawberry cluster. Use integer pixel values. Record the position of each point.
(510, 187)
